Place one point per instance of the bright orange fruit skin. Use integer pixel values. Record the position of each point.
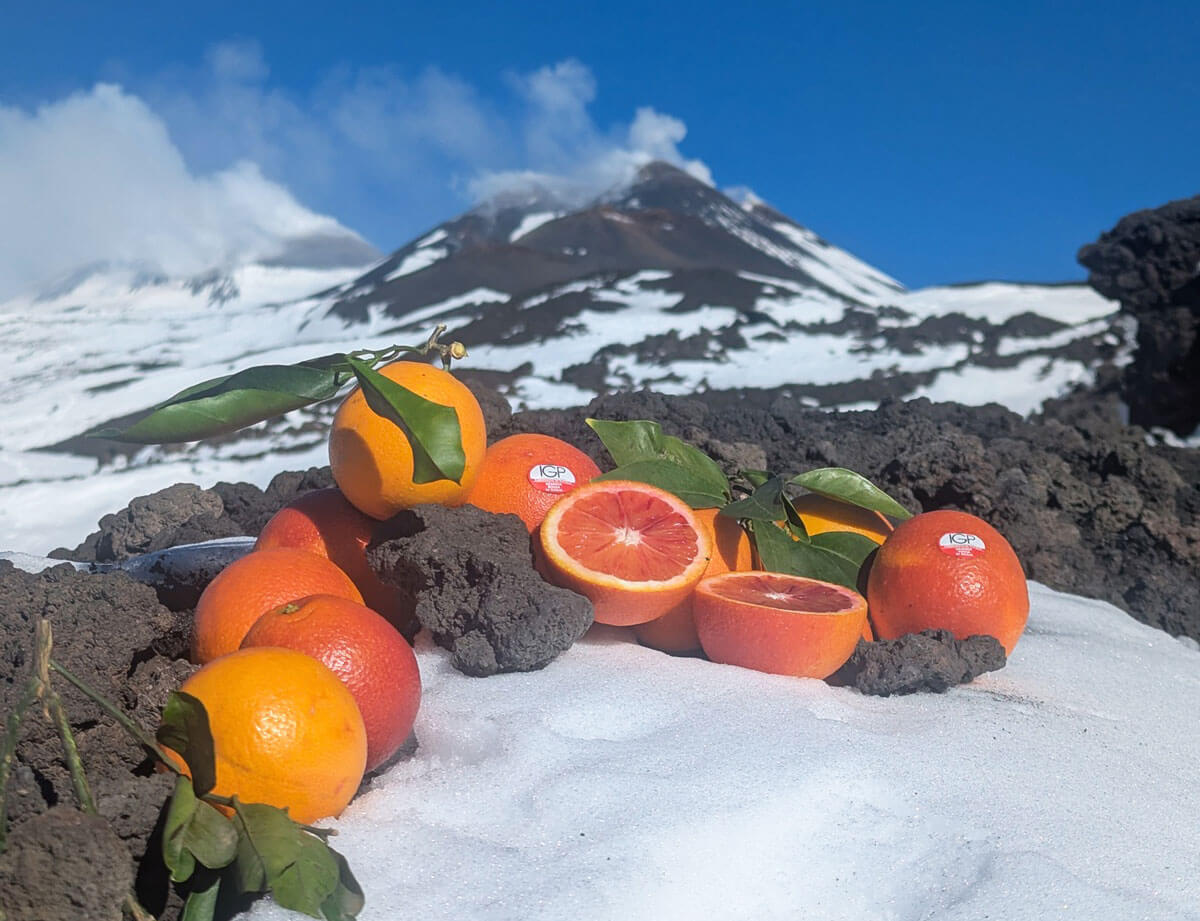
(915, 584)
(372, 460)
(366, 652)
(619, 601)
(735, 631)
(324, 522)
(285, 730)
(247, 588)
(523, 475)
(675, 631)
(821, 514)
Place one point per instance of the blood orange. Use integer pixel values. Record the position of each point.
(635, 550)
(525, 474)
(774, 622)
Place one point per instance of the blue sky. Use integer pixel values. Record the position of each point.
(942, 142)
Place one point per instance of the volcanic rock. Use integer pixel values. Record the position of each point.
(932, 660)
(1150, 262)
(472, 575)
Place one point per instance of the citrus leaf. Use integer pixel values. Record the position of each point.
(180, 811)
(211, 837)
(764, 504)
(755, 477)
(794, 523)
(643, 440)
(309, 880)
(854, 547)
(346, 900)
(840, 483)
(201, 904)
(185, 730)
(432, 429)
(779, 553)
(226, 404)
(268, 842)
(670, 476)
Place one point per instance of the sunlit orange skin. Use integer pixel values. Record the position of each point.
(366, 652)
(769, 639)
(503, 485)
(914, 586)
(324, 522)
(372, 460)
(285, 730)
(821, 514)
(619, 602)
(675, 631)
(260, 581)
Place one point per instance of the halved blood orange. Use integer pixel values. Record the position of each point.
(774, 622)
(635, 550)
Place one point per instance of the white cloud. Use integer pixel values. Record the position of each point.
(96, 178)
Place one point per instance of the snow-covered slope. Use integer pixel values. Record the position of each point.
(619, 783)
(667, 283)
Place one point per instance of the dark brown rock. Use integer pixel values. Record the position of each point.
(932, 660)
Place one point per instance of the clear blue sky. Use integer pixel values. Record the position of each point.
(939, 141)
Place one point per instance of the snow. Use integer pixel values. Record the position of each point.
(420, 258)
(620, 783)
(531, 222)
(999, 301)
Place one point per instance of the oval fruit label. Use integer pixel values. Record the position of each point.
(959, 543)
(553, 478)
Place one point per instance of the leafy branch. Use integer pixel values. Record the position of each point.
(226, 404)
(253, 846)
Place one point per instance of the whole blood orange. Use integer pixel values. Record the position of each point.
(247, 588)
(373, 660)
(675, 631)
(948, 570)
(524, 475)
(285, 731)
(372, 459)
(635, 550)
(779, 623)
(325, 523)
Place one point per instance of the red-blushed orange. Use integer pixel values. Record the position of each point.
(366, 652)
(948, 570)
(778, 623)
(524, 475)
(633, 549)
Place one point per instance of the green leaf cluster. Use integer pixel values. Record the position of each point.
(643, 453)
(225, 404)
(259, 849)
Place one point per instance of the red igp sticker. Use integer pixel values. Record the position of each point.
(959, 543)
(552, 478)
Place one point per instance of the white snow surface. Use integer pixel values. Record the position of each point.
(420, 258)
(619, 783)
(531, 222)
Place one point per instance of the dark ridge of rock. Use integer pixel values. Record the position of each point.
(64, 865)
(472, 575)
(1089, 506)
(932, 660)
(135, 528)
(1150, 262)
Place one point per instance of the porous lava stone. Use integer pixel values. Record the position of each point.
(932, 660)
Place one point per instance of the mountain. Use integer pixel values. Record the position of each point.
(672, 284)
(665, 283)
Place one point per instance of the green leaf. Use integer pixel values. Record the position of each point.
(346, 900)
(670, 476)
(779, 553)
(309, 880)
(268, 842)
(201, 904)
(211, 837)
(755, 478)
(854, 547)
(795, 524)
(185, 729)
(764, 504)
(643, 440)
(182, 808)
(432, 429)
(226, 404)
(840, 483)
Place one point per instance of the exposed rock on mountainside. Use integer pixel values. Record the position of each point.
(1150, 262)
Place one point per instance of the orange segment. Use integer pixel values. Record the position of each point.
(778, 623)
(635, 550)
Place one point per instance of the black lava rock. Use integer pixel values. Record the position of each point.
(1149, 262)
(472, 575)
(932, 660)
